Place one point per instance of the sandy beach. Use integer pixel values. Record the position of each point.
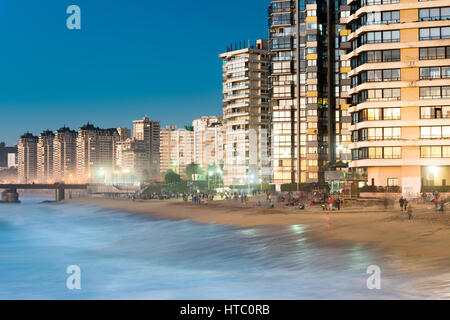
(417, 245)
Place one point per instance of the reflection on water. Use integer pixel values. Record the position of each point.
(128, 256)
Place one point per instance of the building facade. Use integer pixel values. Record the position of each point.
(208, 141)
(309, 109)
(8, 156)
(45, 156)
(149, 131)
(95, 153)
(176, 150)
(124, 133)
(65, 155)
(27, 158)
(399, 66)
(246, 114)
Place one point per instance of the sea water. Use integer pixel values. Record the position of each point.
(135, 256)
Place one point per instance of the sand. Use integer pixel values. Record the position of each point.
(418, 245)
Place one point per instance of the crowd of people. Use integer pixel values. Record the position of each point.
(299, 200)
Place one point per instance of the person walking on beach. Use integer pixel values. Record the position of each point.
(330, 203)
(436, 201)
(410, 215)
(338, 204)
(401, 202)
(405, 205)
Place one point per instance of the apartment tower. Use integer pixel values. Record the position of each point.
(27, 158)
(399, 65)
(309, 111)
(149, 132)
(45, 156)
(208, 141)
(246, 114)
(95, 153)
(177, 149)
(65, 155)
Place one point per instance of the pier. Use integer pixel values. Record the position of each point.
(10, 194)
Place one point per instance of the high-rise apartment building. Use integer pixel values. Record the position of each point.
(398, 61)
(309, 109)
(149, 132)
(246, 114)
(176, 149)
(45, 156)
(65, 155)
(208, 141)
(95, 152)
(27, 158)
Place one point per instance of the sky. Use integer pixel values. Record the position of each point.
(131, 58)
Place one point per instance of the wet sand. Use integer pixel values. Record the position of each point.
(418, 245)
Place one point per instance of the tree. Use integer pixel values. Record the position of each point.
(192, 169)
(172, 177)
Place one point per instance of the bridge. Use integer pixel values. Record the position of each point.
(11, 195)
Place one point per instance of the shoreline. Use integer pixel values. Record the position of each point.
(416, 246)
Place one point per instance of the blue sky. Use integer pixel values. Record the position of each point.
(131, 58)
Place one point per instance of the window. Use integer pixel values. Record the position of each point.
(435, 132)
(434, 33)
(435, 112)
(384, 17)
(381, 153)
(391, 114)
(383, 94)
(375, 134)
(376, 2)
(434, 53)
(434, 92)
(374, 114)
(376, 153)
(392, 182)
(434, 152)
(445, 151)
(279, 19)
(380, 75)
(281, 43)
(430, 14)
(380, 37)
(392, 133)
(284, 6)
(435, 73)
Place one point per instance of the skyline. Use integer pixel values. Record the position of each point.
(111, 72)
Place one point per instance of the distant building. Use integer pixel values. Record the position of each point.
(208, 141)
(12, 160)
(8, 156)
(124, 133)
(246, 114)
(130, 160)
(64, 155)
(27, 158)
(176, 150)
(149, 132)
(134, 165)
(45, 156)
(95, 153)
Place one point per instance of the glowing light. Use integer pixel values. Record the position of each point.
(433, 169)
(101, 172)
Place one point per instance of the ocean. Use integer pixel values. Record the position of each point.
(122, 255)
